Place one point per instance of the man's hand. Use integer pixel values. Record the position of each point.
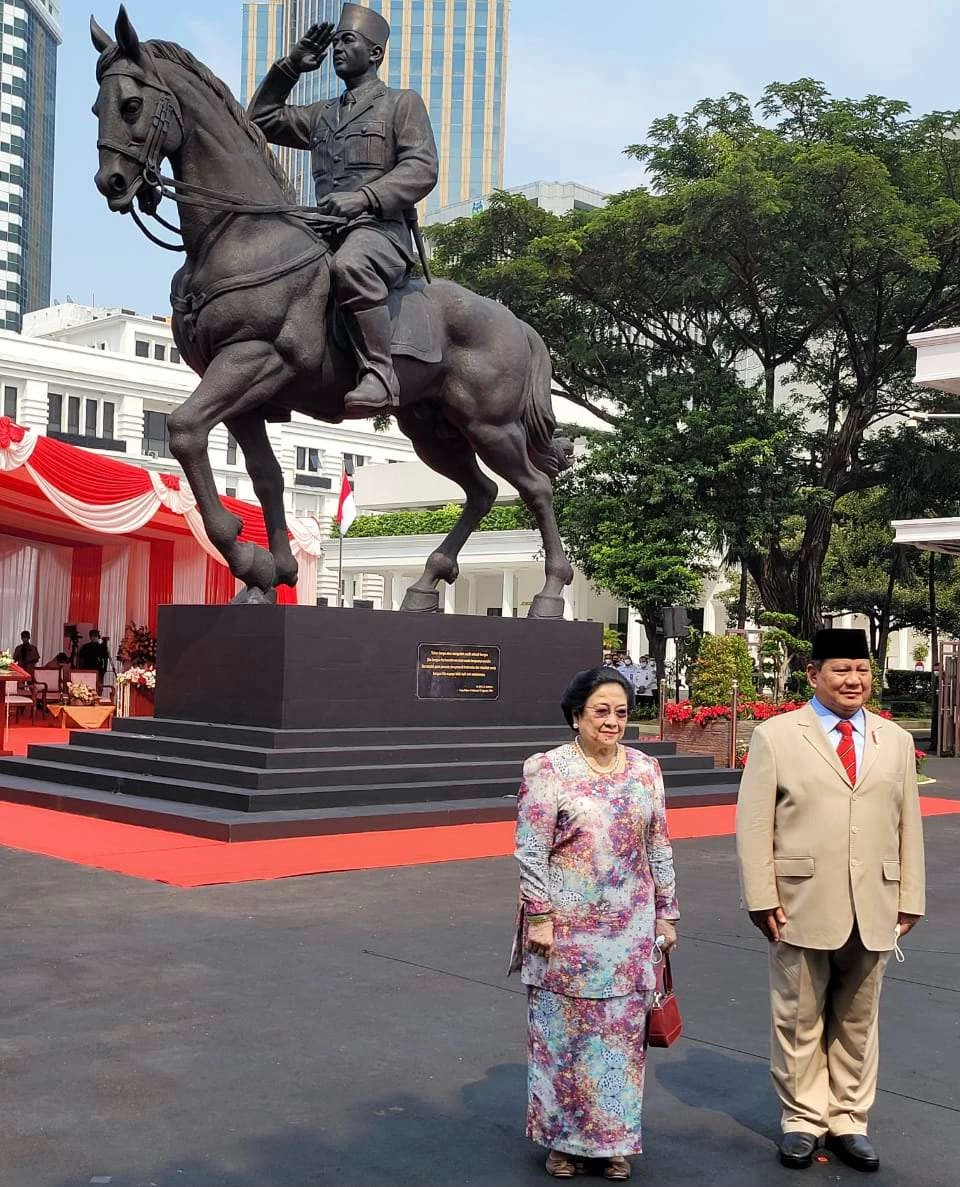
(769, 922)
(348, 205)
(666, 928)
(311, 49)
(907, 923)
(540, 937)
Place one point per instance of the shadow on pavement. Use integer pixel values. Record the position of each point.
(722, 1083)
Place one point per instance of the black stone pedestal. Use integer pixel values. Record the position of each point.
(280, 721)
(305, 667)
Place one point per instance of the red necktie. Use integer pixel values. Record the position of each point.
(847, 751)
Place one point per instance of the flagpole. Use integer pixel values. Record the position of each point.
(340, 574)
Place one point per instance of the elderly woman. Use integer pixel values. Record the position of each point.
(596, 889)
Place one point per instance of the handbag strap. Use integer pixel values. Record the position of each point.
(667, 974)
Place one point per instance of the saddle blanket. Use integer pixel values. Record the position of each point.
(413, 332)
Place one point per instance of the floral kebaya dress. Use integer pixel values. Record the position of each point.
(594, 853)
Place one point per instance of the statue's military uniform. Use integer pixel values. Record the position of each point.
(373, 140)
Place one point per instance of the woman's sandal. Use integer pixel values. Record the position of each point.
(617, 1169)
(561, 1166)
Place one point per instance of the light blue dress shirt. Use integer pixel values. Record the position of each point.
(829, 720)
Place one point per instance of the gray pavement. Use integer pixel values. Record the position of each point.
(358, 1029)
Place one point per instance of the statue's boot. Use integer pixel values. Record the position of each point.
(378, 390)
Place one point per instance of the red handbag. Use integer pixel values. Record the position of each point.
(664, 1024)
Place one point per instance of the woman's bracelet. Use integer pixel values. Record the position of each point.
(538, 918)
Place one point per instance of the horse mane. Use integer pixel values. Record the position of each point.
(169, 51)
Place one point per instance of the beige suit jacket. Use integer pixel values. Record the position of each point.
(826, 852)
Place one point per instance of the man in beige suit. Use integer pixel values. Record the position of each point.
(830, 847)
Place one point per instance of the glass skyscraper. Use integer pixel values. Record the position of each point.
(454, 52)
(29, 36)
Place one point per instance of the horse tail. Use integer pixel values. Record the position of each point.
(537, 416)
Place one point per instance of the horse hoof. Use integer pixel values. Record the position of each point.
(287, 573)
(254, 596)
(417, 601)
(547, 606)
(253, 565)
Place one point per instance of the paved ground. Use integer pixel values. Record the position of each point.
(357, 1029)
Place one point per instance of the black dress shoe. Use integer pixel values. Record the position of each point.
(855, 1149)
(796, 1149)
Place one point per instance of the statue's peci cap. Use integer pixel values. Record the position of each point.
(840, 644)
(370, 24)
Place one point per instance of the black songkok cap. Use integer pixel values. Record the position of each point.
(370, 24)
(840, 644)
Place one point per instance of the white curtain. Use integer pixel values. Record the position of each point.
(138, 583)
(18, 590)
(53, 599)
(189, 573)
(114, 582)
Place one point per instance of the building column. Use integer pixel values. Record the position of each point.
(569, 610)
(472, 585)
(709, 617)
(508, 600)
(634, 633)
(449, 597)
(348, 589)
(386, 602)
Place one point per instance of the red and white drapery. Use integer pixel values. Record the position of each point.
(113, 498)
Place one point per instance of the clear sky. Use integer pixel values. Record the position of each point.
(583, 82)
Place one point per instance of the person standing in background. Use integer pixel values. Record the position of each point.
(26, 655)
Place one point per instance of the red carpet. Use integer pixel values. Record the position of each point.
(181, 860)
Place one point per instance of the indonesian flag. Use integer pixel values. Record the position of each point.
(347, 507)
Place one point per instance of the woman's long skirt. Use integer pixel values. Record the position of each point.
(585, 1062)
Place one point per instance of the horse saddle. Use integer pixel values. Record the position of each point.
(412, 323)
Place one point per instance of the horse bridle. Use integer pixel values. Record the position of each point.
(148, 154)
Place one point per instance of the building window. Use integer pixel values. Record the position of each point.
(142, 349)
(156, 438)
(174, 355)
(90, 418)
(309, 461)
(54, 412)
(159, 352)
(108, 423)
(231, 492)
(73, 415)
(323, 601)
(352, 460)
(231, 449)
(494, 612)
(362, 604)
(10, 402)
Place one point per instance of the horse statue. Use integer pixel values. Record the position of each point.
(251, 318)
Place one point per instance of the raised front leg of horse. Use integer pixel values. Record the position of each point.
(447, 451)
(250, 432)
(240, 378)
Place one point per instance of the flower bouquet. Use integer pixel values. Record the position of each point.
(145, 677)
(81, 694)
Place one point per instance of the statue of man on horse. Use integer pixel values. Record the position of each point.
(374, 157)
(250, 301)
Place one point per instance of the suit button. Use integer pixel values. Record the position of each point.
(337, 160)
(853, 862)
(854, 830)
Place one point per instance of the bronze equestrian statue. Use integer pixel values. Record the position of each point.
(252, 302)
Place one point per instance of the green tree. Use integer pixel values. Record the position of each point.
(796, 246)
(721, 660)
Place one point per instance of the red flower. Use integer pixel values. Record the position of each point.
(10, 433)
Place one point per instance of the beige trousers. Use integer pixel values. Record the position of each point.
(824, 1050)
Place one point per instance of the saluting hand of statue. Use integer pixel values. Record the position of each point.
(311, 49)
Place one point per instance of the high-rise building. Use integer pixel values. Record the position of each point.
(29, 35)
(454, 52)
